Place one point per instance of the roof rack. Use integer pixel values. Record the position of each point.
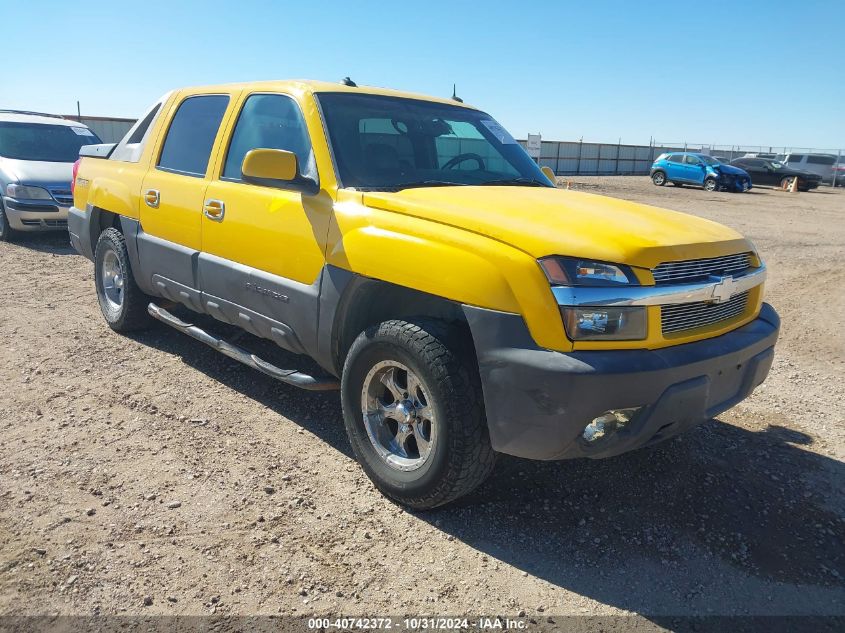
(55, 116)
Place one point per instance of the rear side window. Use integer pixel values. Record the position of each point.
(139, 132)
(821, 160)
(187, 146)
(795, 158)
(676, 158)
(270, 122)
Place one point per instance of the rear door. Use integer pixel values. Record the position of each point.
(263, 248)
(675, 168)
(172, 196)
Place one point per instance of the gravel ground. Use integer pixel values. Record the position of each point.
(149, 475)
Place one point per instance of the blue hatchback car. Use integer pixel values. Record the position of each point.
(686, 168)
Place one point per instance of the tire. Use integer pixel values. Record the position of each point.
(7, 233)
(710, 184)
(427, 364)
(658, 178)
(122, 303)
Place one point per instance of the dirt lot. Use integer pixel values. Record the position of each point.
(150, 475)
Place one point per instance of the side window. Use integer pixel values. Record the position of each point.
(140, 131)
(269, 122)
(676, 158)
(821, 160)
(795, 158)
(187, 146)
(689, 159)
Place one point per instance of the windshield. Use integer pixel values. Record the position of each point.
(384, 142)
(39, 141)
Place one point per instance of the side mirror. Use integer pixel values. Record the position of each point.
(548, 173)
(276, 168)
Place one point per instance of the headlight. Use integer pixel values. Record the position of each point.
(604, 324)
(26, 192)
(566, 271)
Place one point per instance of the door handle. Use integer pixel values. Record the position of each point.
(152, 198)
(214, 210)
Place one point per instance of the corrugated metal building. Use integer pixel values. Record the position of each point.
(109, 129)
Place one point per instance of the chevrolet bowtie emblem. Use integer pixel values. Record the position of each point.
(723, 289)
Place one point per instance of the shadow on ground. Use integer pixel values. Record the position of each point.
(721, 520)
(52, 242)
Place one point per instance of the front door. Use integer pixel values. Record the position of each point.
(263, 248)
(172, 197)
(694, 170)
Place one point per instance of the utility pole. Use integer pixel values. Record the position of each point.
(78, 112)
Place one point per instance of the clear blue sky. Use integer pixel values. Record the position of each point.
(746, 72)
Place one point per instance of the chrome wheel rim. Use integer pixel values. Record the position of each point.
(710, 185)
(398, 415)
(658, 179)
(112, 280)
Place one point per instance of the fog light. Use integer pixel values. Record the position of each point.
(608, 423)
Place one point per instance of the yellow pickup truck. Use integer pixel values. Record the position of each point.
(463, 305)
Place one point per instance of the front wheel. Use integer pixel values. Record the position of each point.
(7, 233)
(122, 303)
(710, 184)
(658, 178)
(413, 410)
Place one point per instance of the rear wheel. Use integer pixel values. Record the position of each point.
(658, 178)
(413, 410)
(710, 184)
(7, 233)
(122, 303)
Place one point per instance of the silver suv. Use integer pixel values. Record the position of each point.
(37, 152)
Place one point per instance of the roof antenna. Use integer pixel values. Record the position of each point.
(346, 81)
(455, 97)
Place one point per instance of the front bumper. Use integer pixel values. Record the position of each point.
(538, 401)
(35, 216)
(735, 182)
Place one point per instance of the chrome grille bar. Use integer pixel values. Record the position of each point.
(675, 318)
(701, 269)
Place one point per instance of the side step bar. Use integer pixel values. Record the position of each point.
(287, 376)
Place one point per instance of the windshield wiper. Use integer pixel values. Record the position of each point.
(416, 183)
(522, 181)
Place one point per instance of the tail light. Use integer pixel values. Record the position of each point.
(73, 178)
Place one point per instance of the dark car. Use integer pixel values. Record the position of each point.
(774, 173)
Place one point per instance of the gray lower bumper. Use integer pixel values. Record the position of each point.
(539, 401)
(28, 216)
(78, 225)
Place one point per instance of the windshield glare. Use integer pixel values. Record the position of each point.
(44, 142)
(382, 142)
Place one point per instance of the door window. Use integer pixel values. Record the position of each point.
(191, 135)
(270, 122)
(676, 158)
(795, 158)
(821, 160)
(689, 159)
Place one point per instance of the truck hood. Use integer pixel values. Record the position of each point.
(35, 172)
(544, 221)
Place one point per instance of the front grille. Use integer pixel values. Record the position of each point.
(63, 196)
(688, 316)
(701, 269)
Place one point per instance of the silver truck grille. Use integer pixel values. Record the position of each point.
(701, 269)
(688, 316)
(63, 196)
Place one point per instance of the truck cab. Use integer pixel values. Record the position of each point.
(463, 305)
